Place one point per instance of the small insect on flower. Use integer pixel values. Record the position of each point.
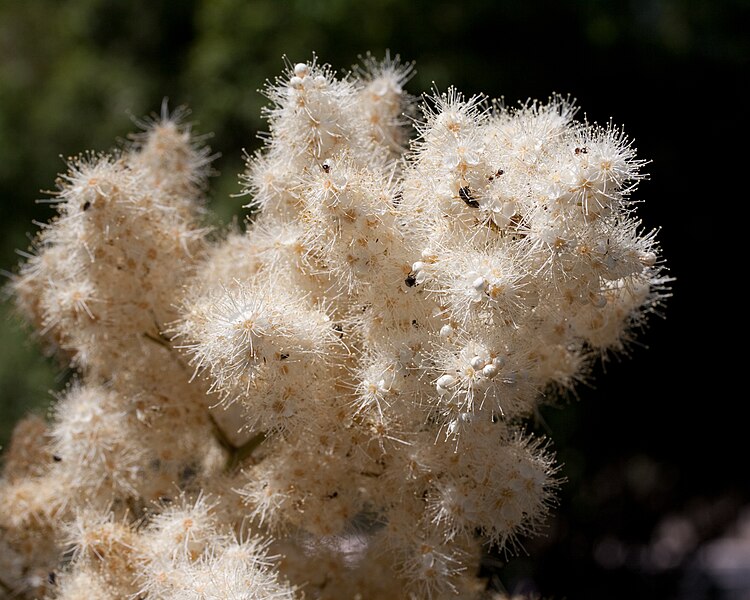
(465, 194)
(326, 166)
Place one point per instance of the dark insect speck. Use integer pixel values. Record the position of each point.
(86, 205)
(411, 281)
(465, 194)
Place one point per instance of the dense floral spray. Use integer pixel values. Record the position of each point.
(332, 402)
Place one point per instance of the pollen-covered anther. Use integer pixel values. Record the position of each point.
(377, 387)
(496, 290)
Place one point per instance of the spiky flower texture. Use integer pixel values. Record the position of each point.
(331, 403)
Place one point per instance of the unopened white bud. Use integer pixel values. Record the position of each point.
(648, 259)
(490, 370)
(301, 69)
(477, 363)
(446, 381)
(446, 331)
(295, 82)
(455, 425)
(479, 284)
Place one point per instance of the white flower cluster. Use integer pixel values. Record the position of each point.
(331, 402)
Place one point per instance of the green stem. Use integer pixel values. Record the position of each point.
(237, 454)
(244, 451)
(6, 587)
(161, 340)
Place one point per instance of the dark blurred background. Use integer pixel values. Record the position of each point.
(656, 502)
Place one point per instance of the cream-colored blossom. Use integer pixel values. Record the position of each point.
(330, 402)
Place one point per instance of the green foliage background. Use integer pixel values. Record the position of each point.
(74, 73)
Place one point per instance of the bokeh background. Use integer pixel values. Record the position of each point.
(656, 502)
